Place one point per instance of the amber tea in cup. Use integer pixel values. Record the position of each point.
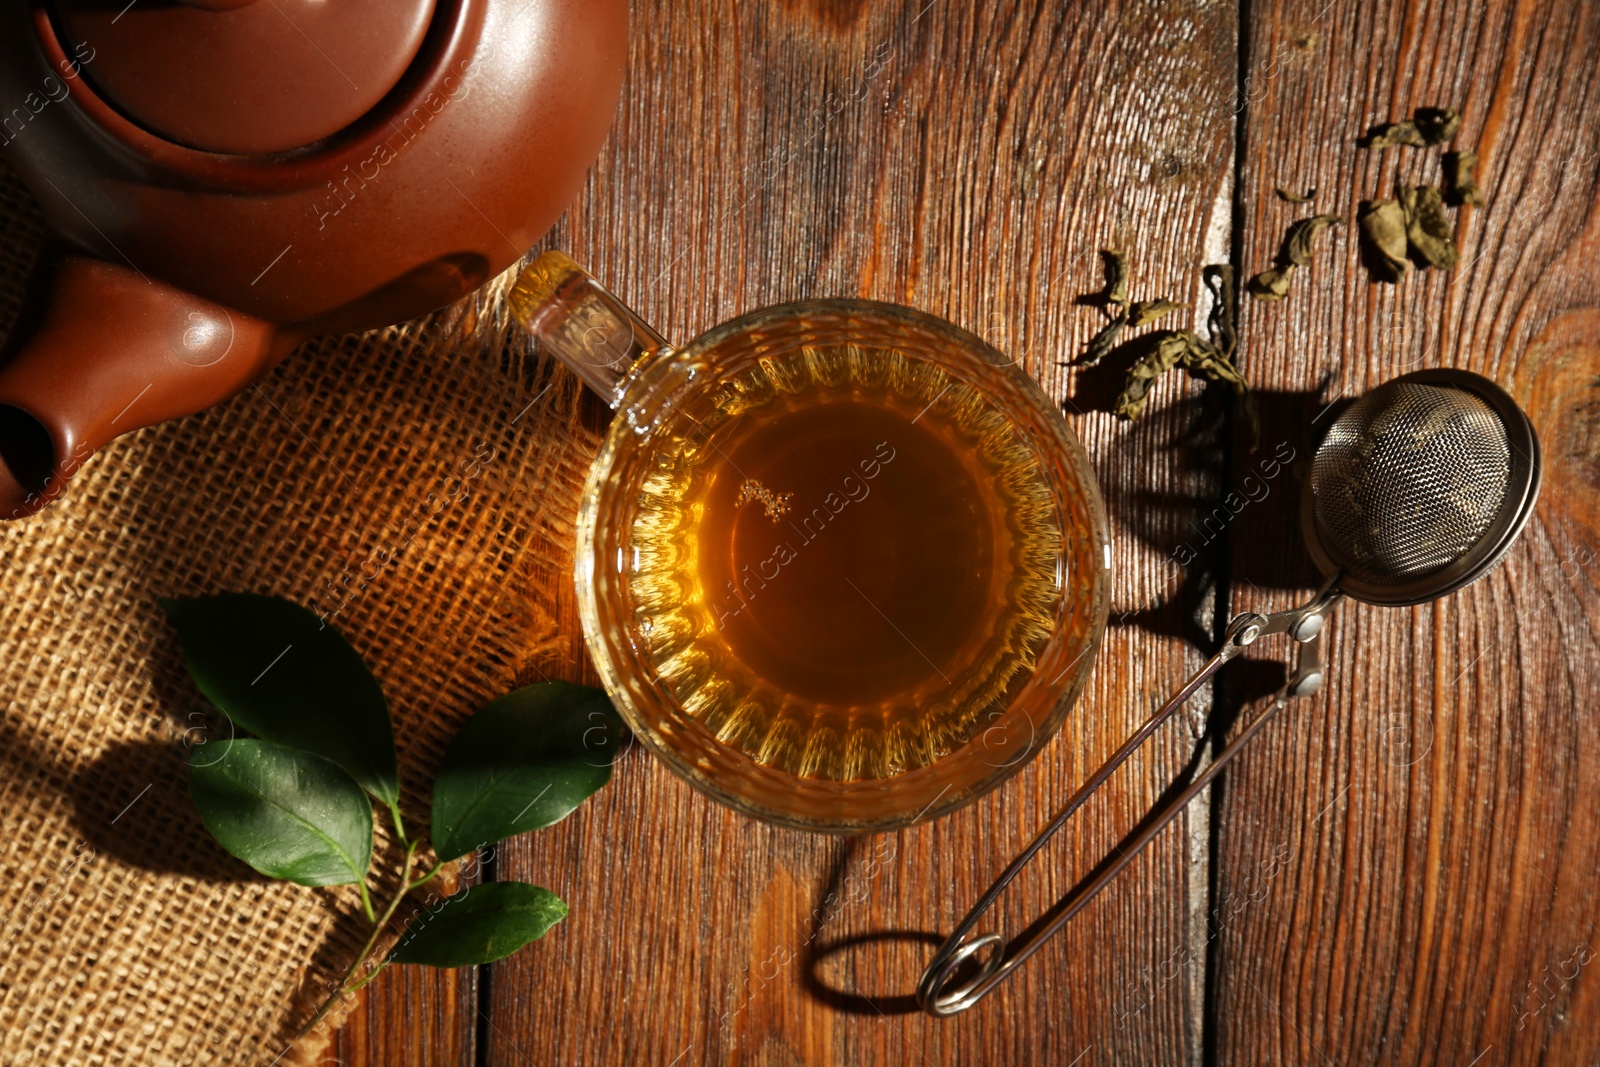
(841, 565)
(845, 573)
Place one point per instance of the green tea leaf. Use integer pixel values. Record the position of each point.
(1428, 126)
(1459, 184)
(272, 667)
(1296, 198)
(1169, 351)
(1428, 231)
(1212, 360)
(1297, 242)
(1271, 284)
(1116, 264)
(480, 924)
(289, 814)
(1383, 226)
(1203, 361)
(1393, 133)
(1103, 342)
(1295, 251)
(1144, 312)
(1207, 362)
(521, 763)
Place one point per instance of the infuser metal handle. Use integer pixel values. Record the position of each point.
(938, 994)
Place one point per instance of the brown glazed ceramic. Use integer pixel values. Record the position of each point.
(226, 178)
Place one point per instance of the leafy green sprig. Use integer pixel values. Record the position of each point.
(295, 801)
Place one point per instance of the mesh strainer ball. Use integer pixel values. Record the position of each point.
(1420, 486)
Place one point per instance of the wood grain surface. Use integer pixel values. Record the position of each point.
(1402, 870)
(1432, 813)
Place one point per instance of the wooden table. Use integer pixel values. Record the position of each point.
(1402, 870)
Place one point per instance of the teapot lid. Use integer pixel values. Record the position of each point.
(244, 76)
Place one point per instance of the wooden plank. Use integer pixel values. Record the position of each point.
(1411, 853)
(967, 159)
(411, 1015)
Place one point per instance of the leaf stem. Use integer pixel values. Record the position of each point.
(345, 987)
(399, 827)
(426, 878)
(366, 902)
(361, 983)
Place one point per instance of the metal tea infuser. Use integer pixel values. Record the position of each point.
(1418, 488)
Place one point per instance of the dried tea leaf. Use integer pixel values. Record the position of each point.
(1393, 133)
(1436, 124)
(1297, 242)
(1383, 227)
(1169, 352)
(1271, 284)
(1428, 230)
(1144, 312)
(1205, 361)
(1116, 290)
(1211, 359)
(1103, 342)
(1294, 198)
(1428, 126)
(1201, 359)
(1460, 187)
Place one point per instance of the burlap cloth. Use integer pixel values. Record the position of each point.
(129, 936)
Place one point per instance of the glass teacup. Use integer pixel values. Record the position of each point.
(840, 564)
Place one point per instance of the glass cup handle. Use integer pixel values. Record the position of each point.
(583, 324)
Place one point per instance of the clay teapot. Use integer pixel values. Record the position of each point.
(226, 178)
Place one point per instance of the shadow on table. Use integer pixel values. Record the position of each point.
(132, 804)
(133, 801)
(854, 1002)
(817, 953)
(1207, 506)
(1249, 680)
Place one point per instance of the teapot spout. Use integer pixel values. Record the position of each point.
(114, 351)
